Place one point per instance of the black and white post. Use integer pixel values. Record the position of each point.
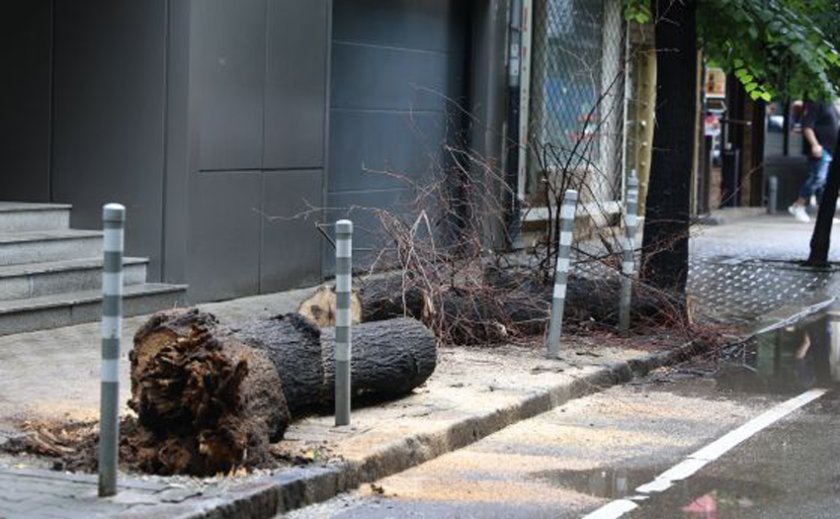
(561, 273)
(628, 264)
(113, 220)
(343, 339)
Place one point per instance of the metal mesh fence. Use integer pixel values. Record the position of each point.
(575, 134)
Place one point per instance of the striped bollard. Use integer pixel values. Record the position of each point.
(113, 220)
(343, 339)
(628, 265)
(772, 194)
(561, 274)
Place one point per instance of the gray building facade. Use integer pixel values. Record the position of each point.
(229, 128)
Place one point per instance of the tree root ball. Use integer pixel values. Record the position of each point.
(211, 399)
(206, 402)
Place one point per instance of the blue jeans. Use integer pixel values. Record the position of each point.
(817, 173)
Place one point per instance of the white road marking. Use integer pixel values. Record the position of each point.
(613, 509)
(699, 459)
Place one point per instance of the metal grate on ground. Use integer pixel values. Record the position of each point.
(727, 289)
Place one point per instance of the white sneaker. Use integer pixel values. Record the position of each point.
(799, 213)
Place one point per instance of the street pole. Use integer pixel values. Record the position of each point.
(772, 194)
(343, 339)
(561, 273)
(628, 265)
(113, 220)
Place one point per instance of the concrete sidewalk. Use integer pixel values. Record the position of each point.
(54, 374)
(474, 392)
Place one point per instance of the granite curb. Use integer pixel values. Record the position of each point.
(309, 485)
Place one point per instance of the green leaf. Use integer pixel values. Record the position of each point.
(772, 46)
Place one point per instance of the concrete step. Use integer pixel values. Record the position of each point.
(25, 217)
(57, 310)
(55, 277)
(42, 246)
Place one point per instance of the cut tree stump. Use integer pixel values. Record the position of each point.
(210, 398)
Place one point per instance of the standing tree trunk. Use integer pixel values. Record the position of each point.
(821, 239)
(665, 246)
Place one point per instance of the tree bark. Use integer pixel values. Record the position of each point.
(390, 297)
(513, 304)
(666, 231)
(821, 238)
(293, 345)
(211, 398)
(390, 357)
(206, 402)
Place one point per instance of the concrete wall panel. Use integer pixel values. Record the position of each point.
(296, 84)
(25, 47)
(224, 239)
(367, 228)
(230, 79)
(291, 246)
(430, 25)
(384, 149)
(398, 69)
(384, 78)
(180, 144)
(109, 103)
(259, 90)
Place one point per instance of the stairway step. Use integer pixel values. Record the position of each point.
(43, 246)
(25, 216)
(55, 277)
(57, 310)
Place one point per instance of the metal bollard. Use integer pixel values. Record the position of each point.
(343, 339)
(561, 273)
(113, 220)
(772, 194)
(628, 265)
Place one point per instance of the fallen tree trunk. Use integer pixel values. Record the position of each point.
(293, 344)
(597, 300)
(389, 297)
(511, 305)
(210, 398)
(390, 357)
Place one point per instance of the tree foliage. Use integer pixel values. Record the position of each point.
(772, 47)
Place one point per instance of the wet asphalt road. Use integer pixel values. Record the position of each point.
(791, 469)
(581, 456)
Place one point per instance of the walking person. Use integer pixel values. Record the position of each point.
(820, 125)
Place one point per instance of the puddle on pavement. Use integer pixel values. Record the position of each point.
(786, 360)
(602, 482)
(622, 482)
